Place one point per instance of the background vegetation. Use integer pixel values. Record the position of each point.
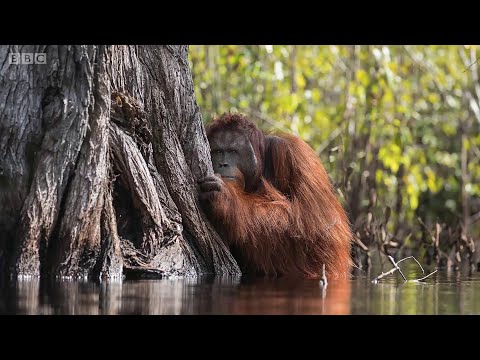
(397, 127)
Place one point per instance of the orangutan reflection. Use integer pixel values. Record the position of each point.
(289, 296)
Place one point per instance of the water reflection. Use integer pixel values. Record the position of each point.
(176, 296)
(445, 293)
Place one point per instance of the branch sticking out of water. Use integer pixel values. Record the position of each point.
(323, 280)
(396, 267)
(384, 274)
(423, 278)
(412, 257)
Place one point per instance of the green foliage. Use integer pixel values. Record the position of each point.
(395, 112)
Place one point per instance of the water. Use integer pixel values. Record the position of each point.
(443, 293)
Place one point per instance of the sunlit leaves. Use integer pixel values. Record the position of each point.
(431, 180)
(390, 155)
(362, 77)
(447, 159)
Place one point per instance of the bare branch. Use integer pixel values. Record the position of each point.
(412, 257)
(423, 278)
(396, 267)
(468, 68)
(423, 224)
(473, 104)
(382, 275)
(323, 280)
(395, 264)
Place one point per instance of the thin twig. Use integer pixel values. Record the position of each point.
(395, 264)
(423, 224)
(423, 278)
(398, 262)
(324, 283)
(396, 267)
(358, 268)
(472, 64)
(323, 280)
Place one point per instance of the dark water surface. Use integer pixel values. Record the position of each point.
(443, 293)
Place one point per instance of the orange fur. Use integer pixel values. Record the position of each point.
(292, 223)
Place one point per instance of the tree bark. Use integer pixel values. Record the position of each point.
(100, 150)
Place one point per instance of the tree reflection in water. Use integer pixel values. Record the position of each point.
(211, 295)
(444, 293)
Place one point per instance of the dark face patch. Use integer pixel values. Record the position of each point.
(231, 152)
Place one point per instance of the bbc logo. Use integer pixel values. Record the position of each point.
(27, 58)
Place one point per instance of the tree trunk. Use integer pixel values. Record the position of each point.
(100, 150)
